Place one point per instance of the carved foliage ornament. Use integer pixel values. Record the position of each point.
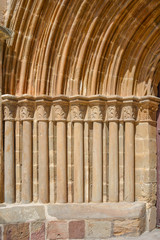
(113, 112)
(61, 112)
(97, 112)
(78, 112)
(26, 112)
(9, 112)
(129, 113)
(42, 112)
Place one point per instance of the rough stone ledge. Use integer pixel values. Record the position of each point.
(21, 213)
(18, 213)
(121, 210)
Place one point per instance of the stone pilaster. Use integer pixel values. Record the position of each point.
(146, 158)
(113, 113)
(42, 115)
(97, 117)
(60, 113)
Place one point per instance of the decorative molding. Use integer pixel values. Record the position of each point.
(147, 113)
(60, 112)
(129, 113)
(42, 112)
(9, 111)
(97, 112)
(26, 112)
(93, 108)
(78, 112)
(113, 112)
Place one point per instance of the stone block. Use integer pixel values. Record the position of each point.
(76, 229)
(146, 192)
(145, 160)
(98, 229)
(151, 215)
(142, 131)
(96, 210)
(38, 231)
(129, 227)
(21, 213)
(145, 175)
(16, 232)
(57, 230)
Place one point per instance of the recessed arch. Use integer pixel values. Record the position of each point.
(83, 47)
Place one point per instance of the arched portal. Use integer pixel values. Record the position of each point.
(79, 102)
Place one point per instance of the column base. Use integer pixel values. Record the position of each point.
(73, 221)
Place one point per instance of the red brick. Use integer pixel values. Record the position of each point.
(38, 231)
(76, 229)
(16, 232)
(57, 230)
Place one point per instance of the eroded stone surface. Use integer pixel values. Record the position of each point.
(97, 211)
(129, 227)
(57, 230)
(16, 232)
(15, 214)
(38, 231)
(98, 229)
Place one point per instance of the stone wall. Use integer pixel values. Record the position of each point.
(72, 221)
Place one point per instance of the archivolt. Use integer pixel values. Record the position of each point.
(83, 47)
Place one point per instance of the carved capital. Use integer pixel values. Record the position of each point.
(42, 112)
(97, 112)
(26, 112)
(78, 112)
(113, 112)
(60, 112)
(129, 113)
(9, 111)
(147, 113)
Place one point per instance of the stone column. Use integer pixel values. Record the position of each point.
(4, 34)
(113, 118)
(97, 112)
(77, 115)
(1, 130)
(60, 111)
(129, 115)
(9, 164)
(26, 115)
(43, 110)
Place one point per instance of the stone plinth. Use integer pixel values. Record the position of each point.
(72, 221)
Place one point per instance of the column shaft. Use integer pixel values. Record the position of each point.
(113, 161)
(129, 161)
(97, 162)
(1, 131)
(9, 179)
(78, 162)
(43, 162)
(27, 162)
(61, 162)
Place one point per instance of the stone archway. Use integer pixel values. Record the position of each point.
(79, 113)
(158, 161)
